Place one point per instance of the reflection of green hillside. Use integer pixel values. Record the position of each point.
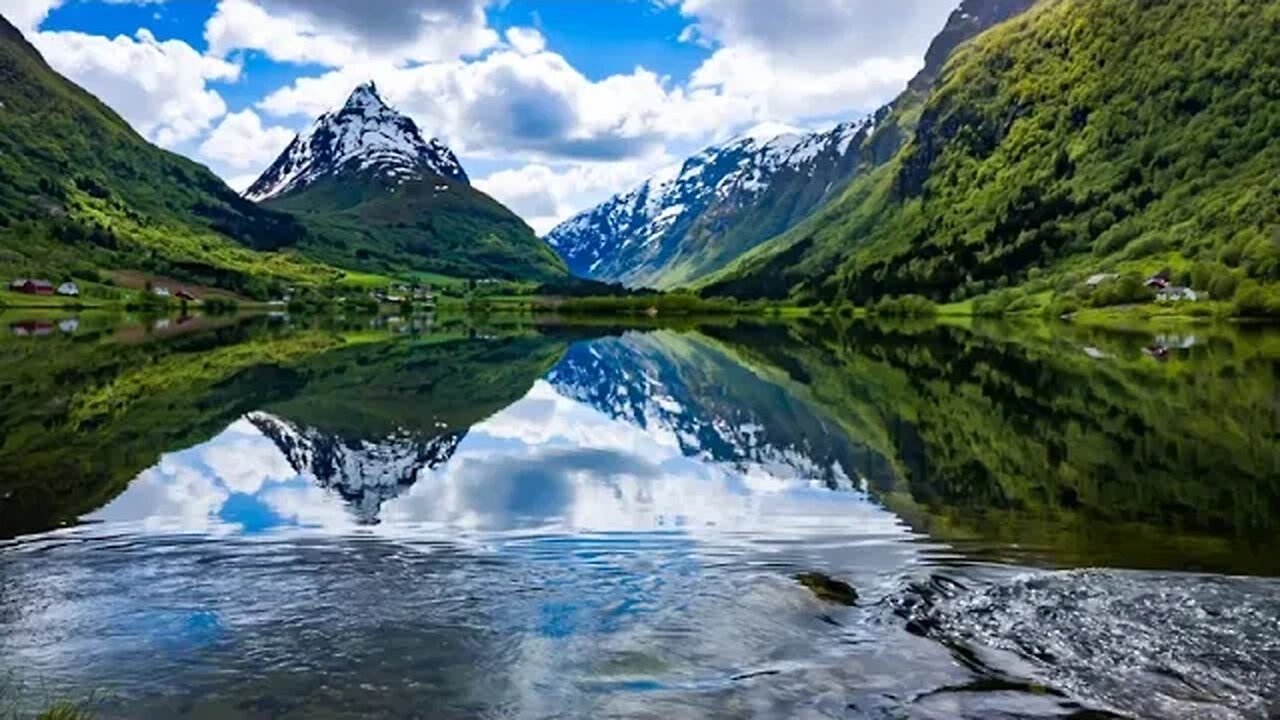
(1026, 440)
(423, 388)
(82, 417)
(721, 397)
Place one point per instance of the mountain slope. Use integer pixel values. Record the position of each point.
(365, 472)
(694, 220)
(1085, 136)
(80, 190)
(378, 196)
(364, 137)
(639, 237)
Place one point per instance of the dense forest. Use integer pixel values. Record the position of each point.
(1083, 137)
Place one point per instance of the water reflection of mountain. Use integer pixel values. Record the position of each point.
(83, 417)
(1009, 438)
(689, 388)
(365, 472)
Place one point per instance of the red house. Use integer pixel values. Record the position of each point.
(32, 287)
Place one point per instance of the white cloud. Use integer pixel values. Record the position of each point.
(26, 15)
(160, 87)
(337, 33)
(526, 41)
(825, 58)
(818, 33)
(241, 142)
(545, 196)
(530, 107)
(573, 139)
(779, 90)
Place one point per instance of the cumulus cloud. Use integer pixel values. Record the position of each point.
(241, 142)
(26, 15)
(825, 58)
(779, 90)
(532, 107)
(160, 87)
(339, 32)
(546, 195)
(526, 41)
(826, 33)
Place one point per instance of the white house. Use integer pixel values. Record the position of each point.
(69, 289)
(161, 292)
(1174, 293)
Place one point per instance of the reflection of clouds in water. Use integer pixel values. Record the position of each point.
(171, 496)
(545, 461)
(308, 505)
(544, 417)
(238, 481)
(551, 460)
(244, 460)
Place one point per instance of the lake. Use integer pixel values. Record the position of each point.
(475, 518)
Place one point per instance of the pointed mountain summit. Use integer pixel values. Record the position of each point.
(365, 137)
(379, 197)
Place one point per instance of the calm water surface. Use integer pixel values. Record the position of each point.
(452, 519)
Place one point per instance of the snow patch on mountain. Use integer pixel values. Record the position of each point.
(597, 243)
(366, 473)
(365, 137)
(630, 380)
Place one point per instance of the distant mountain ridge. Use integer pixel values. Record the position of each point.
(364, 136)
(673, 386)
(377, 196)
(636, 237)
(694, 220)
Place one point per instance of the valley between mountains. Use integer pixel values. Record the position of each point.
(1050, 156)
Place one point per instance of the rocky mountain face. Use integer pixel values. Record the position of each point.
(376, 196)
(674, 387)
(364, 138)
(695, 219)
(638, 237)
(366, 473)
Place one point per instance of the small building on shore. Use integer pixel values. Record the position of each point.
(69, 289)
(29, 286)
(1176, 293)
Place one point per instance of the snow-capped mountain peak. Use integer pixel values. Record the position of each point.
(365, 137)
(634, 236)
(366, 473)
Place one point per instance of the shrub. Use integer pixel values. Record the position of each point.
(220, 306)
(1224, 283)
(905, 306)
(1253, 300)
(1125, 290)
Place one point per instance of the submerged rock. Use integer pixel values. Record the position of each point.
(828, 589)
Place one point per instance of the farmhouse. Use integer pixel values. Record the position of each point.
(1177, 293)
(31, 287)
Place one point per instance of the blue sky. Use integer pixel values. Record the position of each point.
(552, 104)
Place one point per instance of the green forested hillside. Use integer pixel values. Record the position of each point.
(81, 191)
(426, 225)
(1084, 136)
